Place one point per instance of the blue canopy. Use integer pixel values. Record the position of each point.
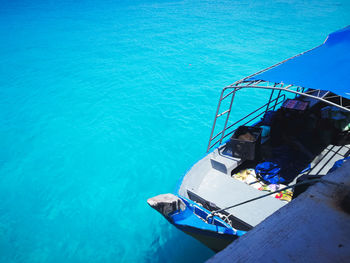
(326, 67)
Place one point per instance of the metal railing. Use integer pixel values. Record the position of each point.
(270, 105)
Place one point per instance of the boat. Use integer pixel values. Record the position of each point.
(260, 162)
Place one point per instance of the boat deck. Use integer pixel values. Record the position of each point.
(217, 189)
(225, 191)
(325, 160)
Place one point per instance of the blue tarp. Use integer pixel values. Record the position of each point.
(326, 67)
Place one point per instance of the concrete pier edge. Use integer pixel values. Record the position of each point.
(315, 227)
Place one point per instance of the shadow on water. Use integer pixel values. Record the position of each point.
(178, 247)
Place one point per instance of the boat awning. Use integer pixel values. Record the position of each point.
(326, 67)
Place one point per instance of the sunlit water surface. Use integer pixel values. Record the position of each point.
(104, 104)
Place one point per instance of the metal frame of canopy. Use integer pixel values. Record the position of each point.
(317, 94)
(262, 84)
(254, 81)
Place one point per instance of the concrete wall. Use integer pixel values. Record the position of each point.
(315, 227)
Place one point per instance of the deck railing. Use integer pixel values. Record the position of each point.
(316, 94)
(229, 129)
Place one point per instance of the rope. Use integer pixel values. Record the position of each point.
(271, 193)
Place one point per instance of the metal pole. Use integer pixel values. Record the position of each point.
(228, 115)
(268, 104)
(216, 115)
(278, 96)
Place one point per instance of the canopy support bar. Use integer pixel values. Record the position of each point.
(261, 84)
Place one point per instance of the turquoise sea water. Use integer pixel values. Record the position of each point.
(104, 104)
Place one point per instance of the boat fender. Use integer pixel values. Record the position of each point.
(166, 204)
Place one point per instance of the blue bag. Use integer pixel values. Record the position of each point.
(269, 172)
(338, 164)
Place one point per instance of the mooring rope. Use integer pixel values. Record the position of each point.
(271, 193)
